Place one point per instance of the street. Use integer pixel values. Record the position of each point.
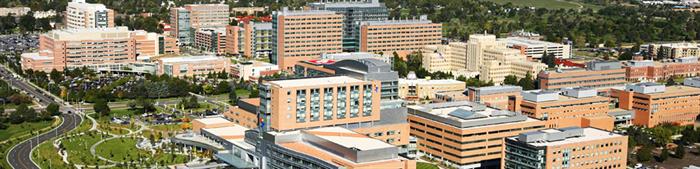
(19, 156)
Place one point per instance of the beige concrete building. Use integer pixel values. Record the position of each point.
(295, 104)
(252, 70)
(573, 107)
(501, 97)
(15, 11)
(244, 113)
(673, 50)
(566, 148)
(149, 44)
(192, 65)
(102, 49)
(414, 89)
(400, 36)
(476, 45)
(446, 58)
(96, 48)
(499, 62)
(655, 104)
(537, 48)
(80, 14)
(331, 147)
(466, 134)
(211, 40)
(303, 35)
(598, 74)
(187, 19)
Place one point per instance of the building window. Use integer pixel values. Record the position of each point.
(301, 106)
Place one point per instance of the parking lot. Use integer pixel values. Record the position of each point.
(18, 42)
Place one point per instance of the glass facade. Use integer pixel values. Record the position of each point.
(367, 101)
(342, 102)
(315, 104)
(354, 101)
(328, 104)
(301, 106)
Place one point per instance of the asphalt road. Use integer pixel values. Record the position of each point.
(19, 157)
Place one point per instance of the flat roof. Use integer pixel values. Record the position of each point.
(82, 5)
(589, 134)
(466, 114)
(428, 82)
(190, 58)
(348, 138)
(679, 89)
(286, 12)
(212, 120)
(120, 32)
(315, 81)
(397, 22)
(36, 56)
(235, 131)
(526, 41)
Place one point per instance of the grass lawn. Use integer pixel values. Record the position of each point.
(46, 156)
(16, 130)
(169, 159)
(78, 148)
(549, 4)
(121, 149)
(424, 165)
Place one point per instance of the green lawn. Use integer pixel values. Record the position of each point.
(46, 156)
(550, 4)
(79, 148)
(424, 165)
(121, 149)
(15, 130)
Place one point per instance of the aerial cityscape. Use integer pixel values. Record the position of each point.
(350, 84)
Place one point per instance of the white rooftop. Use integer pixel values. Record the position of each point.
(190, 58)
(229, 131)
(350, 141)
(35, 56)
(526, 41)
(120, 32)
(473, 112)
(589, 134)
(315, 81)
(82, 5)
(212, 120)
(414, 82)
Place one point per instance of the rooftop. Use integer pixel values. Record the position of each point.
(348, 138)
(82, 5)
(526, 41)
(90, 33)
(586, 135)
(212, 120)
(315, 81)
(191, 58)
(234, 132)
(423, 19)
(286, 12)
(465, 114)
(348, 4)
(36, 56)
(496, 89)
(429, 82)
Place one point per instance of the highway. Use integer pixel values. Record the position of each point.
(19, 157)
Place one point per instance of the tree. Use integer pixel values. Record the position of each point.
(511, 80)
(664, 155)
(254, 94)
(527, 83)
(56, 77)
(27, 22)
(644, 154)
(671, 82)
(101, 107)
(549, 59)
(232, 97)
(53, 109)
(680, 152)
(208, 89)
(223, 87)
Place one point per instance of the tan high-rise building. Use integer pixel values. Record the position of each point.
(466, 134)
(211, 40)
(104, 49)
(573, 107)
(303, 35)
(295, 104)
(80, 14)
(400, 36)
(475, 48)
(152, 44)
(446, 58)
(187, 19)
(95, 48)
(655, 104)
(249, 39)
(499, 62)
(566, 148)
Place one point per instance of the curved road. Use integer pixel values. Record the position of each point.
(20, 156)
